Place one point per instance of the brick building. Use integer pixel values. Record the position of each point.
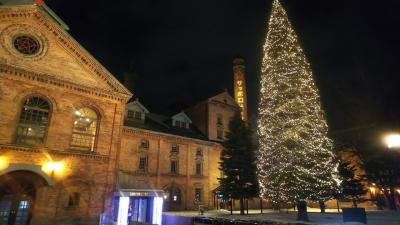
(70, 147)
(61, 117)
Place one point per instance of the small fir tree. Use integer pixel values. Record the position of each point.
(296, 161)
(238, 163)
(352, 186)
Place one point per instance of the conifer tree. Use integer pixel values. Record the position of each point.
(238, 163)
(296, 160)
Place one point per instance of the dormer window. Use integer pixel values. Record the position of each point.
(134, 115)
(180, 124)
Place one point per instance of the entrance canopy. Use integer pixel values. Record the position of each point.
(130, 185)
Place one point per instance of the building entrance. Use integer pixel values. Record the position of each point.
(17, 197)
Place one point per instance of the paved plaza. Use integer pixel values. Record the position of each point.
(331, 217)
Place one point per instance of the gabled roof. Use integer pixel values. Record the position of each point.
(162, 123)
(138, 104)
(74, 63)
(181, 114)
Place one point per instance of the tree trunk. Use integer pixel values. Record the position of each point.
(302, 211)
(393, 198)
(354, 202)
(241, 206)
(390, 197)
(337, 205)
(261, 205)
(322, 205)
(247, 206)
(231, 203)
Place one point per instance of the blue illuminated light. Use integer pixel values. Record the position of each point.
(123, 211)
(157, 210)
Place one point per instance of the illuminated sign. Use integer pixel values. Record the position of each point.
(240, 94)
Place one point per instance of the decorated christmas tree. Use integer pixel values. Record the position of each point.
(296, 160)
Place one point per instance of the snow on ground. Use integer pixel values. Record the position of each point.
(332, 217)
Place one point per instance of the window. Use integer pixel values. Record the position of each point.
(220, 133)
(26, 45)
(174, 166)
(174, 149)
(73, 200)
(197, 194)
(33, 121)
(85, 130)
(143, 163)
(134, 115)
(198, 168)
(180, 124)
(144, 144)
(219, 119)
(199, 152)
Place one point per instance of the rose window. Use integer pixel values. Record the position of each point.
(26, 45)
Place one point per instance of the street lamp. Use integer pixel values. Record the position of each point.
(392, 140)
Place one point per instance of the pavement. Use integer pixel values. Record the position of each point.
(331, 217)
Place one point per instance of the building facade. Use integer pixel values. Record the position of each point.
(167, 154)
(61, 119)
(73, 152)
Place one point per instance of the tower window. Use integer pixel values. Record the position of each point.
(143, 163)
(174, 166)
(219, 119)
(198, 168)
(199, 152)
(220, 133)
(197, 194)
(144, 144)
(174, 149)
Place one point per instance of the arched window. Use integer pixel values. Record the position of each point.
(174, 149)
(85, 130)
(33, 121)
(144, 144)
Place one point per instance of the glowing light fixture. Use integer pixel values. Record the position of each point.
(53, 167)
(157, 210)
(123, 211)
(392, 140)
(3, 162)
(77, 113)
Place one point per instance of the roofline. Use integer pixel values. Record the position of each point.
(171, 135)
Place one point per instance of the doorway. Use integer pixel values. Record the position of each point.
(17, 196)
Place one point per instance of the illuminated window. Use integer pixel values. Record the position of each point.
(219, 119)
(174, 166)
(85, 130)
(134, 115)
(174, 149)
(33, 121)
(198, 168)
(143, 163)
(197, 194)
(144, 144)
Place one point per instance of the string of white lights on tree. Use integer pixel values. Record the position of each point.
(296, 160)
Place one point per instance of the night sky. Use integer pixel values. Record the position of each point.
(181, 52)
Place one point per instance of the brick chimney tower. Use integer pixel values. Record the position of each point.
(240, 86)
